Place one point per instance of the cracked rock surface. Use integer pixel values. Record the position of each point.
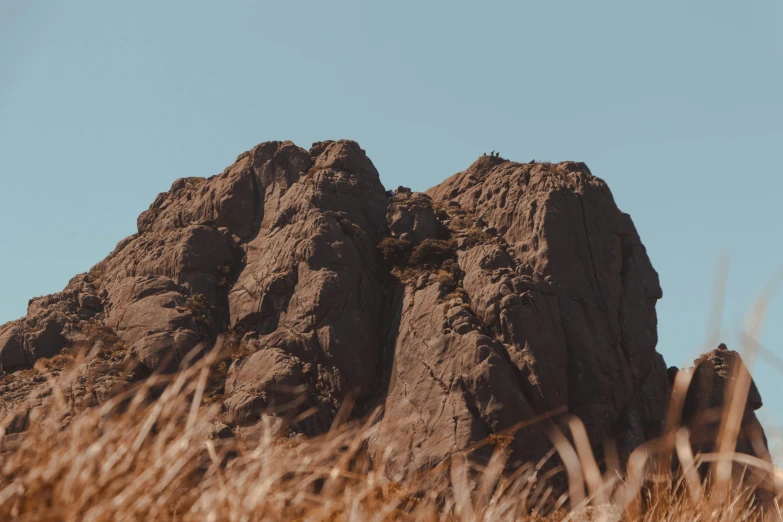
(507, 297)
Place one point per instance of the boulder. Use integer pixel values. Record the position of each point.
(711, 379)
(12, 354)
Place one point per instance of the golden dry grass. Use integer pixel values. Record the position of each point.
(144, 456)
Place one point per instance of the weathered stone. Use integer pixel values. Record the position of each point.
(12, 354)
(310, 284)
(712, 376)
(92, 302)
(589, 342)
(412, 215)
(508, 293)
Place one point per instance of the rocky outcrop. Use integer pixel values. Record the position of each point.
(488, 308)
(309, 285)
(708, 391)
(552, 309)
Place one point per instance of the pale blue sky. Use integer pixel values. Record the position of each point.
(676, 104)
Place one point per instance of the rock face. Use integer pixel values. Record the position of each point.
(490, 307)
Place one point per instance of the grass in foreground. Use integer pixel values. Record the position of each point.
(139, 457)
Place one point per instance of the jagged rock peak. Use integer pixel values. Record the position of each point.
(507, 292)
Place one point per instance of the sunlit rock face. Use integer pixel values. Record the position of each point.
(507, 297)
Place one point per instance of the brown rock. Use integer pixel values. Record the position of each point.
(310, 285)
(411, 214)
(586, 335)
(713, 374)
(273, 382)
(450, 388)
(507, 292)
(12, 354)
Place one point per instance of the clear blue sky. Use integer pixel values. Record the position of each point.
(676, 104)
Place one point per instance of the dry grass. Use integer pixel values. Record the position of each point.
(142, 458)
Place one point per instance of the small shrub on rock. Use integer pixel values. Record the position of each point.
(432, 252)
(395, 251)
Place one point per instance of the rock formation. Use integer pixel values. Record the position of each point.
(708, 391)
(492, 305)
